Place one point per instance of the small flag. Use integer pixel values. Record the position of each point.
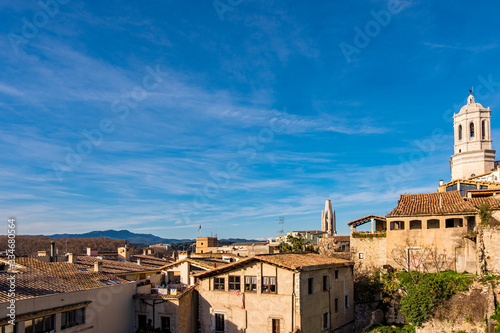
(199, 228)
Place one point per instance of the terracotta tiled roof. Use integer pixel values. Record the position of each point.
(207, 263)
(301, 261)
(476, 202)
(312, 232)
(249, 244)
(437, 203)
(117, 266)
(37, 278)
(150, 260)
(165, 297)
(292, 261)
(365, 219)
(342, 238)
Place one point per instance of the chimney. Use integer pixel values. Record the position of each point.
(124, 253)
(184, 254)
(144, 252)
(441, 182)
(52, 251)
(139, 261)
(71, 258)
(98, 266)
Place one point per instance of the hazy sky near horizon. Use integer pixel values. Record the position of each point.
(160, 116)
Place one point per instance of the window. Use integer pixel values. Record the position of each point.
(415, 224)
(219, 322)
(464, 188)
(346, 301)
(310, 286)
(454, 223)
(269, 284)
(40, 325)
(234, 283)
(250, 283)
(397, 225)
(336, 273)
(471, 127)
(276, 326)
(361, 255)
(433, 224)
(8, 329)
(325, 282)
(483, 129)
(142, 319)
(72, 318)
(165, 324)
(325, 320)
(336, 305)
(460, 132)
(219, 283)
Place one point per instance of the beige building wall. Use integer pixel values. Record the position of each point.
(111, 308)
(260, 308)
(339, 289)
(182, 312)
(491, 239)
(292, 304)
(447, 241)
(368, 253)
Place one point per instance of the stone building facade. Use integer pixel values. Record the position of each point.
(473, 154)
(278, 293)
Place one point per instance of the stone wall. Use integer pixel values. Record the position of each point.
(491, 240)
(329, 247)
(368, 253)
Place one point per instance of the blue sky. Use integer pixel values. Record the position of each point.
(159, 116)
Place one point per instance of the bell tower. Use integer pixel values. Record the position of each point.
(472, 150)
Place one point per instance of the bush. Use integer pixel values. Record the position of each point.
(432, 288)
(392, 329)
(368, 234)
(367, 288)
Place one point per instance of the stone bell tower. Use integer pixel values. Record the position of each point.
(328, 220)
(472, 150)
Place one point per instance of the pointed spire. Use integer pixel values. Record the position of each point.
(328, 219)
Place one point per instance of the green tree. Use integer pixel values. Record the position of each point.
(485, 212)
(295, 244)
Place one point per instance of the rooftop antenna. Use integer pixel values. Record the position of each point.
(281, 220)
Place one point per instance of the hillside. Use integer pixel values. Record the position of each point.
(131, 237)
(144, 239)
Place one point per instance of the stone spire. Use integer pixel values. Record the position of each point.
(328, 219)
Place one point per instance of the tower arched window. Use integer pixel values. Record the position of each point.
(483, 129)
(471, 130)
(460, 132)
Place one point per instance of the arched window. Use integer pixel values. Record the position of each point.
(460, 132)
(483, 129)
(471, 130)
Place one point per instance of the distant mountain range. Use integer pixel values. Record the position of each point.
(147, 239)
